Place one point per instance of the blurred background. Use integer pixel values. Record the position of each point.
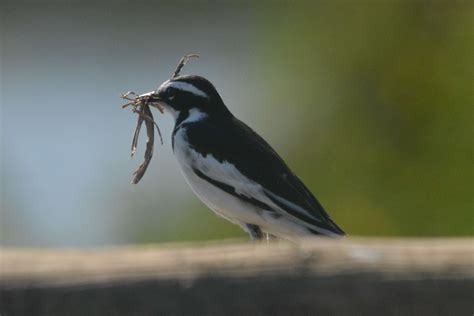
(369, 102)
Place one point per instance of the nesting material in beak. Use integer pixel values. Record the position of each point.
(141, 105)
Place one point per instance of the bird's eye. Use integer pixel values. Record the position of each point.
(171, 94)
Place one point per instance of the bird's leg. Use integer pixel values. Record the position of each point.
(270, 237)
(254, 231)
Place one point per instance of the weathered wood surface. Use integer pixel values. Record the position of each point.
(317, 277)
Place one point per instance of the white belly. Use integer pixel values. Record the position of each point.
(224, 204)
(221, 202)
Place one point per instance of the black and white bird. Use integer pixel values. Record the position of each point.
(233, 170)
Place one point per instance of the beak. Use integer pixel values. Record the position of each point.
(152, 99)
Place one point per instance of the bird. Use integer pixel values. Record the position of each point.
(232, 169)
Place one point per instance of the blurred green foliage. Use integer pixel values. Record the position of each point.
(396, 157)
(385, 101)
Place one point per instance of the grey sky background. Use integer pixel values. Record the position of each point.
(65, 141)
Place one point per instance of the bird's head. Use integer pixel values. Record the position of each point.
(182, 95)
(185, 93)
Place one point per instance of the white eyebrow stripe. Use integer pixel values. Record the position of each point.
(187, 87)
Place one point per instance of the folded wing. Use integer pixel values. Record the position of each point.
(254, 171)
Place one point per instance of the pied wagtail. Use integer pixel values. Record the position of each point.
(232, 169)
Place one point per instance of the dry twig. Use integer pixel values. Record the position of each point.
(149, 123)
(140, 105)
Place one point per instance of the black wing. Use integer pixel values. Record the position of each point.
(233, 141)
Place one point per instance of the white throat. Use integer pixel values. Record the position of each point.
(195, 115)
